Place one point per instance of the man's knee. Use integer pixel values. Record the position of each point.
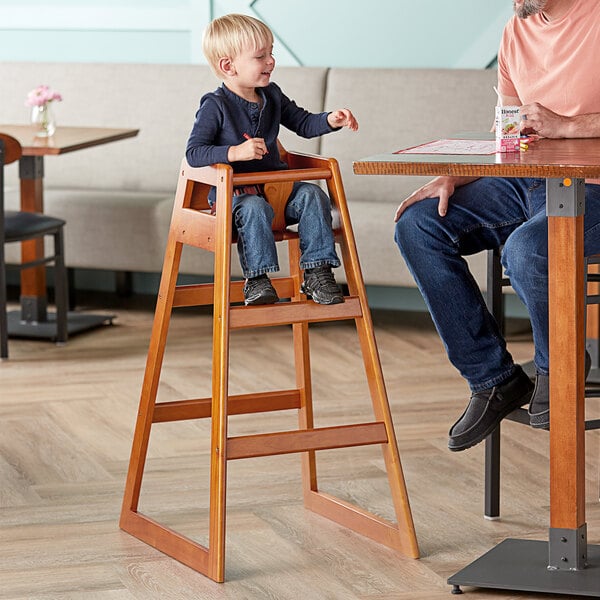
(524, 255)
(411, 227)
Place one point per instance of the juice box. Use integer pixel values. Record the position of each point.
(507, 128)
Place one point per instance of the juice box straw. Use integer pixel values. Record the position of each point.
(499, 96)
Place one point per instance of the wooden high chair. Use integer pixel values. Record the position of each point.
(193, 224)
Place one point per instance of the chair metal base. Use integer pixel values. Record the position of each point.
(522, 565)
(76, 323)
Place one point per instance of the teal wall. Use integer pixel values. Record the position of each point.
(347, 33)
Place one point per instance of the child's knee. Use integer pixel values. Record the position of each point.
(308, 196)
(253, 207)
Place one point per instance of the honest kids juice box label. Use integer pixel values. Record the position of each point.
(507, 128)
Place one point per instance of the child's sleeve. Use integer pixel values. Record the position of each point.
(301, 121)
(202, 147)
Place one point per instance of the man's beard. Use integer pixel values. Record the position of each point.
(528, 8)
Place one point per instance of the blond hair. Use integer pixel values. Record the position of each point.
(227, 36)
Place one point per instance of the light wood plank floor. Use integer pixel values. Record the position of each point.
(67, 415)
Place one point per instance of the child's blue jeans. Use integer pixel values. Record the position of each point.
(308, 206)
(485, 214)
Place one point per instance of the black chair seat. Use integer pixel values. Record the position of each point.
(19, 226)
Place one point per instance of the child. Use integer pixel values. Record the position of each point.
(238, 124)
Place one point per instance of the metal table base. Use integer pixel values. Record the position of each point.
(522, 565)
(76, 323)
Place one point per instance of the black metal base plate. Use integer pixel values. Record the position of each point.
(46, 330)
(523, 565)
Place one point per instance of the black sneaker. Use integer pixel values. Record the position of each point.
(319, 283)
(259, 290)
(487, 408)
(539, 407)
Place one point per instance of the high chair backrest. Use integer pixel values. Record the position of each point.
(277, 193)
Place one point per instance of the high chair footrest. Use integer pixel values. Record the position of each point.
(299, 311)
(324, 438)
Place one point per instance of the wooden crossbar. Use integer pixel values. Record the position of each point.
(167, 540)
(200, 294)
(323, 438)
(314, 174)
(243, 404)
(285, 313)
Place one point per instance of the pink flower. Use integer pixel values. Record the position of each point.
(41, 95)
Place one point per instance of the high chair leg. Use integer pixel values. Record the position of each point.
(303, 377)
(220, 395)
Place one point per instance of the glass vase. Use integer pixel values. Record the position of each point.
(42, 119)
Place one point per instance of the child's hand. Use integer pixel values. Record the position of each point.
(342, 118)
(251, 149)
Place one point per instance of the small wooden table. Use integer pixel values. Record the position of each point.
(34, 320)
(565, 564)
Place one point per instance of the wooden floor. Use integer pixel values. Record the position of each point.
(66, 420)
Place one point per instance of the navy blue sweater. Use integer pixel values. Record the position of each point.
(224, 117)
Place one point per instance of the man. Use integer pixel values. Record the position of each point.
(547, 65)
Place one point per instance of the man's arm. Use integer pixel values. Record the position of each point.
(541, 120)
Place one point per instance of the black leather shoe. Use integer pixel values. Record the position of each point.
(539, 407)
(487, 408)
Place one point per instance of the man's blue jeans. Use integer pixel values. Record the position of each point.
(308, 206)
(485, 214)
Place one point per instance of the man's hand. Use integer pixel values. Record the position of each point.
(440, 187)
(536, 118)
(342, 118)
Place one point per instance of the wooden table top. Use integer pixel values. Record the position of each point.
(65, 139)
(545, 158)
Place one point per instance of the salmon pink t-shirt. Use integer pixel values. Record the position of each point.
(555, 62)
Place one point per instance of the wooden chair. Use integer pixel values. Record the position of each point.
(19, 226)
(192, 224)
(495, 301)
